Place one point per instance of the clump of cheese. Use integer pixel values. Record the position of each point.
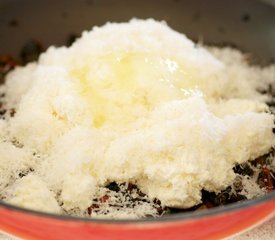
(133, 102)
(31, 192)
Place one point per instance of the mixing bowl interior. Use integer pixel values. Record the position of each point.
(246, 24)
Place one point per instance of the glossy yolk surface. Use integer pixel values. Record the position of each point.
(122, 87)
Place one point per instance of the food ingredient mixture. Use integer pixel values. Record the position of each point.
(132, 119)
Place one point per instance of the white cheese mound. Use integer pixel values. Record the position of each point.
(14, 161)
(31, 192)
(131, 102)
(82, 187)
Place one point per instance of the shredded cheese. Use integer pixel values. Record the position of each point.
(131, 102)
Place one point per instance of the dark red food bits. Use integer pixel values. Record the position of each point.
(260, 160)
(104, 198)
(207, 204)
(243, 169)
(12, 112)
(2, 112)
(131, 187)
(92, 208)
(7, 63)
(71, 39)
(31, 51)
(265, 179)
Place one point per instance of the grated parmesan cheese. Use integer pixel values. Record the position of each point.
(31, 192)
(131, 102)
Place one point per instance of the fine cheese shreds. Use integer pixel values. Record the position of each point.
(245, 81)
(3, 127)
(31, 192)
(117, 204)
(14, 161)
(251, 189)
(131, 102)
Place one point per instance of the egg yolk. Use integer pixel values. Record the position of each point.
(120, 88)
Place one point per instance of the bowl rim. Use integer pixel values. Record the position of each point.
(240, 205)
(175, 217)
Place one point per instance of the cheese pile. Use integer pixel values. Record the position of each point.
(130, 102)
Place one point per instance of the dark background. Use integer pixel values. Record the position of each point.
(247, 24)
